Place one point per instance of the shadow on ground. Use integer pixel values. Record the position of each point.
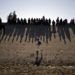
(30, 33)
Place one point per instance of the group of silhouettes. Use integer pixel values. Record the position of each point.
(12, 19)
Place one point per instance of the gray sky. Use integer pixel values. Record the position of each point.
(38, 8)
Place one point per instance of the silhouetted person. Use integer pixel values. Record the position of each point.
(46, 22)
(31, 21)
(2, 26)
(57, 21)
(53, 25)
(43, 20)
(0, 21)
(22, 22)
(65, 22)
(72, 25)
(14, 17)
(53, 28)
(9, 19)
(38, 60)
(34, 21)
(53, 22)
(61, 22)
(18, 21)
(49, 21)
(72, 22)
(25, 21)
(28, 20)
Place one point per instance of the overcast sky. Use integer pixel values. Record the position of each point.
(37, 8)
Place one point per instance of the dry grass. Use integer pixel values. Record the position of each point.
(16, 52)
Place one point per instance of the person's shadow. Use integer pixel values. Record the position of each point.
(67, 32)
(2, 31)
(60, 30)
(54, 28)
(37, 59)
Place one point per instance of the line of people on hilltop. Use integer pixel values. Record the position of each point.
(34, 21)
(12, 19)
(41, 21)
(61, 22)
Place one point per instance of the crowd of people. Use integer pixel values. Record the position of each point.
(12, 19)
